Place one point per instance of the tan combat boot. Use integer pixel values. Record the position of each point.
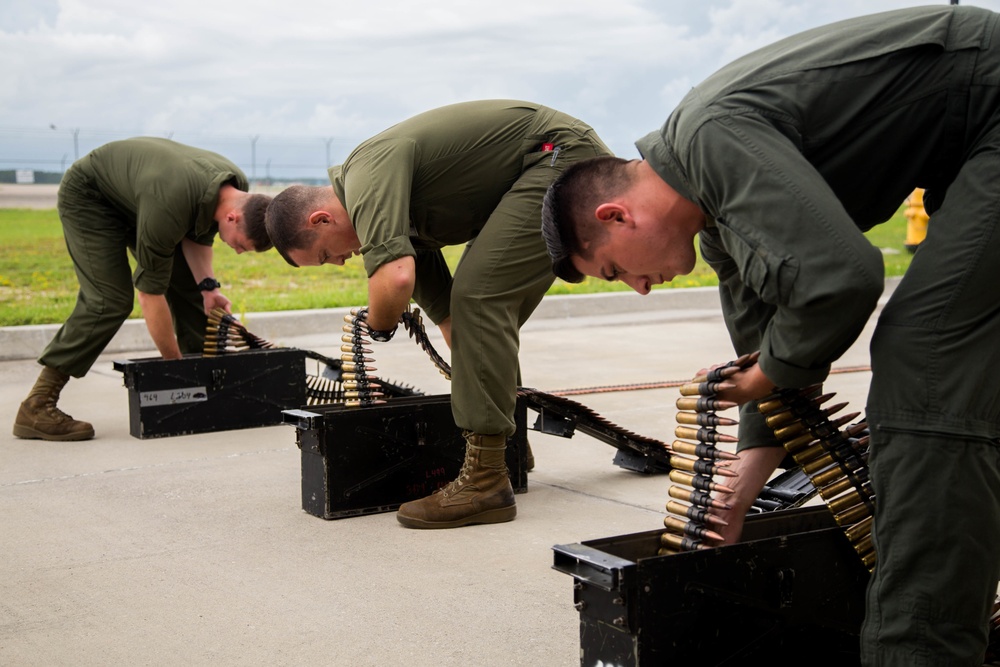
(38, 416)
(481, 494)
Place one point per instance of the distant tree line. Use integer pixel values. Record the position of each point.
(9, 176)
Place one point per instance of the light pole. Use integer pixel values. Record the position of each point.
(253, 157)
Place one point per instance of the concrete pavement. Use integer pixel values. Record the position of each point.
(194, 550)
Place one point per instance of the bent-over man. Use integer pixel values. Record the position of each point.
(472, 173)
(778, 163)
(164, 202)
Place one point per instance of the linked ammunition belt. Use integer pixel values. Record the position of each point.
(697, 461)
(414, 325)
(560, 414)
(226, 335)
(362, 386)
(833, 455)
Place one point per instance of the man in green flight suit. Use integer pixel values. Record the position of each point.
(164, 202)
(472, 173)
(778, 163)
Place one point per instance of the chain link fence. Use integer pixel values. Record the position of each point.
(42, 154)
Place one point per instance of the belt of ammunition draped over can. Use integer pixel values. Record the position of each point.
(361, 387)
(225, 334)
(832, 453)
(697, 461)
(414, 325)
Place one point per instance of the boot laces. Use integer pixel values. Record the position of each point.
(456, 484)
(51, 409)
(56, 414)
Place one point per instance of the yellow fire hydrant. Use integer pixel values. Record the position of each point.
(916, 219)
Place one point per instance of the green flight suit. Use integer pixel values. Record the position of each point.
(472, 173)
(793, 151)
(144, 195)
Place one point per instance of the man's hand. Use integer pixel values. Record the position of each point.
(743, 381)
(159, 321)
(754, 468)
(748, 384)
(215, 299)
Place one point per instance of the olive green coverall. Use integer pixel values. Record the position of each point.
(145, 195)
(793, 151)
(473, 173)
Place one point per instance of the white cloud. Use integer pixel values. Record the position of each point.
(300, 73)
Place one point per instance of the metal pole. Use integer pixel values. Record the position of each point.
(253, 157)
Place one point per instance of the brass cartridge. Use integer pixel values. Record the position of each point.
(703, 403)
(852, 515)
(704, 388)
(679, 543)
(859, 530)
(355, 348)
(695, 497)
(847, 468)
(363, 385)
(836, 488)
(700, 482)
(699, 466)
(689, 528)
(704, 419)
(694, 513)
(702, 451)
(362, 394)
(846, 501)
(703, 434)
(352, 366)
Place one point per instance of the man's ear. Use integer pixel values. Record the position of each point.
(611, 213)
(319, 217)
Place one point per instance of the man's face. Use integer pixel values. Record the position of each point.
(645, 246)
(232, 235)
(332, 243)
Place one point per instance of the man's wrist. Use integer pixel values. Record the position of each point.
(377, 335)
(209, 284)
(381, 335)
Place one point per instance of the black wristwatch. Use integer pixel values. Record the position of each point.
(209, 284)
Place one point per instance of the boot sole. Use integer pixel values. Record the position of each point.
(29, 433)
(499, 515)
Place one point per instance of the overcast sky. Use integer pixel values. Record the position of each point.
(282, 87)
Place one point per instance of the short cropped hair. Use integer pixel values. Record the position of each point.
(287, 216)
(254, 209)
(568, 223)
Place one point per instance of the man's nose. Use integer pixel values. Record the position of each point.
(639, 283)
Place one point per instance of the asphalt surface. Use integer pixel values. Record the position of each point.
(195, 550)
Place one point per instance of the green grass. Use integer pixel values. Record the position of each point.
(38, 284)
